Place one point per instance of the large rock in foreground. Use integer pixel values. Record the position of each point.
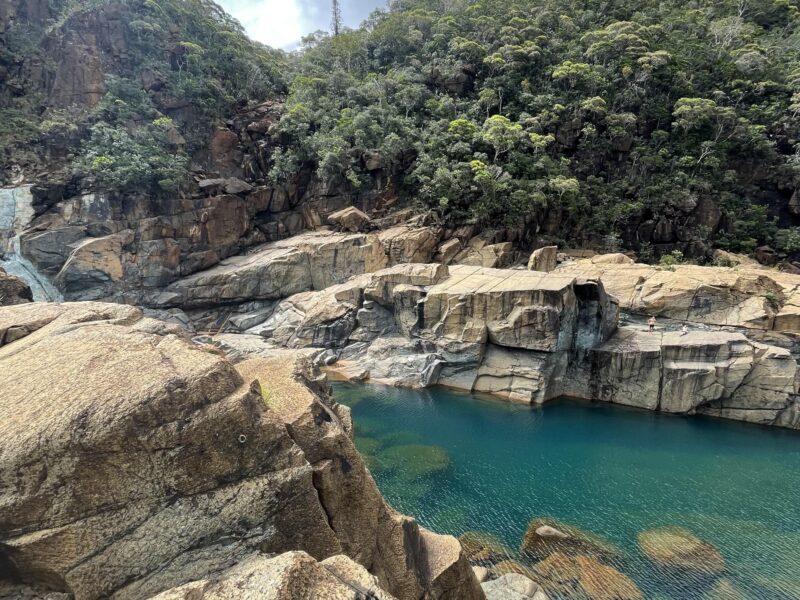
(133, 461)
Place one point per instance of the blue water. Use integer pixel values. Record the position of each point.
(609, 470)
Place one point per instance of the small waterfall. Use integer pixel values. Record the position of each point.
(16, 213)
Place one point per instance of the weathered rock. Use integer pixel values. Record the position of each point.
(289, 576)
(678, 548)
(513, 586)
(716, 373)
(543, 259)
(481, 573)
(13, 290)
(521, 375)
(747, 297)
(448, 251)
(517, 309)
(349, 219)
(721, 258)
(480, 253)
(183, 467)
(616, 258)
(584, 578)
(278, 270)
(545, 537)
(408, 244)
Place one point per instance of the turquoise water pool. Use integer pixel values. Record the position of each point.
(460, 462)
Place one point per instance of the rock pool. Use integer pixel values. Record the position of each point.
(462, 462)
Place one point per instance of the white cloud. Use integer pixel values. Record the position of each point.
(278, 23)
(281, 23)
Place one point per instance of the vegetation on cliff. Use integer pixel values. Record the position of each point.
(652, 125)
(132, 87)
(610, 114)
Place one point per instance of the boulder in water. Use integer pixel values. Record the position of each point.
(678, 548)
(583, 578)
(546, 536)
(482, 547)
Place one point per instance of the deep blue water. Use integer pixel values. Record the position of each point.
(609, 470)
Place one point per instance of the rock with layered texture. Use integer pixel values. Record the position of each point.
(718, 373)
(312, 261)
(518, 309)
(404, 244)
(742, 296)
(185, 466)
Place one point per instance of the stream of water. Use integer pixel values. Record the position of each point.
(461, 462)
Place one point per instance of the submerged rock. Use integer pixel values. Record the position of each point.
(546, 536)
(414, 460)
(482, 547)
(677, 548)
(583, 578)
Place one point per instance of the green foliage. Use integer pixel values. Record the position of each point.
(615, 114)
(142, 159)
(668, 261)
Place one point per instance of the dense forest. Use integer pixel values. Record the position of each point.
(641, 124)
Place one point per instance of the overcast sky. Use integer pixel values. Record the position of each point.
(281, 23)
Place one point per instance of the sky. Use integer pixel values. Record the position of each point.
(281, 23)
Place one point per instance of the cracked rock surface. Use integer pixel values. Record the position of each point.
(133, 461)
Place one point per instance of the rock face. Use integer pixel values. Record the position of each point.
(13, 290)
(717, 373)
(350, 219)
(501, 331)
(740, 297)
(165, 465)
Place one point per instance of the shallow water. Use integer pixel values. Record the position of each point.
(493, 466)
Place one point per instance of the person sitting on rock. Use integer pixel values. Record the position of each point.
(684, 329)
(651, 322)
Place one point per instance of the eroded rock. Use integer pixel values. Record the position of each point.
(185, 465)
(678, 548)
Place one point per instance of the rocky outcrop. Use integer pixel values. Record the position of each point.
(718, 373)
(513, 586)
(133, 461)
(13, 290)
(740, 297)
(289, 576)
(584, 578)
(501, 331)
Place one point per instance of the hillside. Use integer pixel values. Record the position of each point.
(647, 125)
(657, 127)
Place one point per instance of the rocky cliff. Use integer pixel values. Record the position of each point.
(133, 461)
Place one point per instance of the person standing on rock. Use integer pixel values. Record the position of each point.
(651, 322)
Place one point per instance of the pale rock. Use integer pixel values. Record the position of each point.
(543, 259)
(405, 244)
(448, 251)
(289, 576)
(512, 586)
(349, 219)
